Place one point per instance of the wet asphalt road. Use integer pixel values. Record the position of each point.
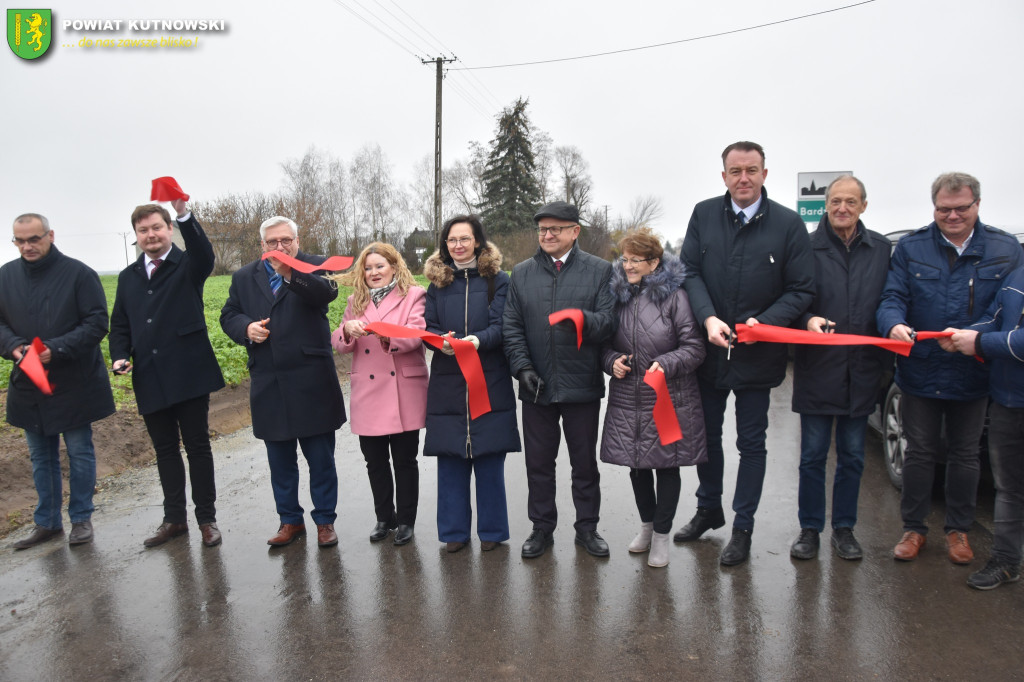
(242, 611)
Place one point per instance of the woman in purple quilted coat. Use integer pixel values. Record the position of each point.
(657, 332)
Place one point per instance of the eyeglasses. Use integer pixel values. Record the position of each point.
(555, 231)
(946, 210)
(31, 240)
(464, 241)
(273, 243)
(634, 261)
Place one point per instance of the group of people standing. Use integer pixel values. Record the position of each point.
(746, 260)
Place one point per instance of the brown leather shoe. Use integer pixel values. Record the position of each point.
(453, 547)
(908, 547)
(211, 534)
(488, 545)
(165, 532)
(39, 535)
(287, 534)
(325, 535)
(959, 551)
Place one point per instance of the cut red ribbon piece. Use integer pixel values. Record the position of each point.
(574, 314)
(32, 366)
(665, 417)
(333, 263)
(465, 355)
(772, 334)
(167, 189)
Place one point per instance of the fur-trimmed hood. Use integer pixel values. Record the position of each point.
(660, 284)
(441, 274)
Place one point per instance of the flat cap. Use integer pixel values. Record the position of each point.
(560, 210)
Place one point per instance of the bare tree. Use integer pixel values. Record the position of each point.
(575, 181)
(544, 163)
(232, 223)
(379, 204)
(644, 211)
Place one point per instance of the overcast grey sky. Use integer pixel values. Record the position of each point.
(896, 90)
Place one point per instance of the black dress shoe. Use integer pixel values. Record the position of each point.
(537, 543)
(381, 530)
(704, 520)
(403, 535)
(806, 545)
(592, 542)
(738, 549)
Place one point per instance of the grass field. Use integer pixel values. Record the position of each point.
(231, 356)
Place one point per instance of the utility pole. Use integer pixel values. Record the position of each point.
(439, 62)
(124, 237)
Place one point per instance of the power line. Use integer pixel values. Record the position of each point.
(360, 18)
(673, 42)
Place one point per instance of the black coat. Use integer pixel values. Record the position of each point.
(160, 324)
(457, 300)
(763, 270)
(294, 390)
(60, 300)
(843, 380)
(536, 291)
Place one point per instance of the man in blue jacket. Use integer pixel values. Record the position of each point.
(943, 275)
(998, 339)
(748, 261)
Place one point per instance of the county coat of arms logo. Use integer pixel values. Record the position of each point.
(29, 32)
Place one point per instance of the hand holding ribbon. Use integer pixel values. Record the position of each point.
(573, 314)
(465, 355)
(32, 366)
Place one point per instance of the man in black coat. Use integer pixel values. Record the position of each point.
(557, 380)
(47, 295)
(838, 383)
(280, 315)
(748, 261)
(158, 332)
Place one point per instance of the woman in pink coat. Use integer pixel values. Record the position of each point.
(388, 382)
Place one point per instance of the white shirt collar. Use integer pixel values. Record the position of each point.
(960, 249)
(749, 211)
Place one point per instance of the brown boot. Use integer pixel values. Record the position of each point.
(287, 534)
(909, 546)
(39, 535)
(959, 550)
(165, 532)
(211, 534)
(325, 535)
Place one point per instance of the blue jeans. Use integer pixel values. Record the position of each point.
(454, 512)
(1006, 449)
(751, 431)
(45, 454)
(815, 439)
(323, 477)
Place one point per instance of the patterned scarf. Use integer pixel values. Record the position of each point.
(377, 295)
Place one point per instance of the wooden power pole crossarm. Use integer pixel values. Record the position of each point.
(439, 62)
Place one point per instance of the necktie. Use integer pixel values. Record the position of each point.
(743, 217)
(275, 282)
(156, 263)
(558, 265)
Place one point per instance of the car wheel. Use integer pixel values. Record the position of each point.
(894, 442)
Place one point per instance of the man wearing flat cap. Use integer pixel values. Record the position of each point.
(557, 380)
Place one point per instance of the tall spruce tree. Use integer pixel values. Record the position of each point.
(511, 193)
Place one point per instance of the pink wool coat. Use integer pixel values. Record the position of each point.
(389, 388)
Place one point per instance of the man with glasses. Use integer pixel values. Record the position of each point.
(748, 261)
(158, 334)
(280, 316)
(559, 379)
(46, 295)
(943, 275)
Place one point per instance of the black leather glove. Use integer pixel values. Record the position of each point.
(531, 382)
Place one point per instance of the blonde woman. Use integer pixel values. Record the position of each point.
(388, 383)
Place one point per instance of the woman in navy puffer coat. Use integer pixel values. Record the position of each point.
(657, 332)
(466, 297)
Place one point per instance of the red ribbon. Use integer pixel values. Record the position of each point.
(465, 355)
(167, 189)
(772, 334)
(32, 366)
(665, 417)
(574, 314)
(332, 263)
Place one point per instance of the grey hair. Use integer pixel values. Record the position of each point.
(274, 222)
(954, 182)
(26, 217)
(847, 176)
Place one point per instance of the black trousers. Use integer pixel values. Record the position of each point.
(542, 437)
(185, 422)
(404, 489)
(658, 505)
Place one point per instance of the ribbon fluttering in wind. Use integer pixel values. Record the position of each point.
(574, 314)
(465, 355)
(32, 366)
(665, 417)
(333, 263)
(167, 189)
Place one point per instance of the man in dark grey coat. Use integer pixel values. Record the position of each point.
(46, 295)
(748, 261)
(838, 383)
(158, 333)
(557, 379)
